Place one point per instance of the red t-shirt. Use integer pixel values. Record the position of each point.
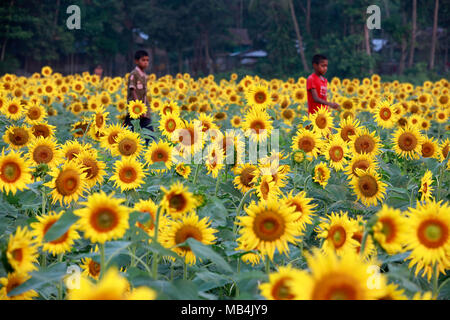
(320, 84)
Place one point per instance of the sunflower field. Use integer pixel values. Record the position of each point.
(237, 193)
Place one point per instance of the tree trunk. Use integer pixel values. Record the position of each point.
(433, 37)
(413, 34)
(402, 63)
(367, 44)
(308, 16)
(2, 56)
(299, 37)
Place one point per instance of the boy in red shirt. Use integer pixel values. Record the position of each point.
(316, 85)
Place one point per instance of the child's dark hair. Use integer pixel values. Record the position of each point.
(318, 58)
(139, 54)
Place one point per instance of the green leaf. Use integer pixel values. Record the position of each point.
(61, 226)
(206, 252)
(40, 278)
(215, 209)
(229, 188)
(157, 166)
(157, 248)
(114, 248)
(207, 280)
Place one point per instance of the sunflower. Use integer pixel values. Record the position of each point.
(188, 226)
(136, 109)
(425, 186)
(299, 96)
(112, 286)
(441, 115)
(337, 231)
(92, 167)
(444, 149)
(103, 218)
(99, 119)
(340, 278)
(169, 123)
(80, 128)
(159, 152)
(269, 225)
(177, 201)
(128, 144)
(407, 142)
(13, 109)
(369, 248)
(91, 268)
(281, 283)
(360, 161)
(46, 71)
(43, 130)
(257, 124)
(15, 172)
(266, 188)
(232, 144)
(322, 121)
(321, 174)
(44, 151)
(385, 114)
(17, 137)
(68, 183)
(150, 208)
(274, 170)
(443, 101)
(34, 114)
(214, 160)
(236, 121)
(257, 96)
(189, 137)
(393, 292)
(288, 115)
(428, 236)
(110, 135)
(389, 230)
(128, 174)
(335, 151)
(365, 142)
(347, 128)
(22, 252)
(63, 244)
(207, 122)
(71, 148)
(429, 148)
(13, 280)
(307, 141)
(78, 87)
(302, 205)
(244, 175)
(368, 187)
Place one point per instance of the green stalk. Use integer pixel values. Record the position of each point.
(185, 271)
(197, 169)
(155, 259)
(239, 208)
(60, 284)
(102, 260)
(267, 265)
(217, 186)
(435, 282)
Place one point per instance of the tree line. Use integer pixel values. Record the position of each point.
(193, 33)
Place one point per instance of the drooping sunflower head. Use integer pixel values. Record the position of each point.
(425, 186)
(389, 229)
(348, 128)
(302, 205)
(244, 177)
(12, 281)
(92, 166)
(360, 161)
(22, 252)
(110, 135)
(321, 174)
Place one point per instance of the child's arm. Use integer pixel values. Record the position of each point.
(321, 101)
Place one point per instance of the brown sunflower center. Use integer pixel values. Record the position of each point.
(91, 169)
(112, 138)
(67, 182)
(160, 155)
(368, 186)
(432, 233)
(171, 125)
(43, 154)
(346, 132)
(127, 147)
(94, 268)
(17, 254)
(307, 144)
(269, 226)
(10, 172)
(128, 174)
(258, 126)
(260, 97)
(13, 108)
(281, 290)
(335, 287)
(407, 141)
(34, 113)
(40, 130)
(104, 219)
(427, 150)
(336, 153)
(360, 164)
(99, 120)
(337, 235)
(265, 189)
(364, 143)
(177, 202)
(385, 114)
(321, 121)
(186, 232)
(388, 228)
(247, 176)
(19, 137)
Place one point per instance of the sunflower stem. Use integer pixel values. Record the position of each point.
(197, 170)
(217, 186)
(239, 208)
(267, 266)
(102, 260)
(155, 239)
(435, 281)
(185, 271)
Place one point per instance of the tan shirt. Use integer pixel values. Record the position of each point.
(138, 81)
